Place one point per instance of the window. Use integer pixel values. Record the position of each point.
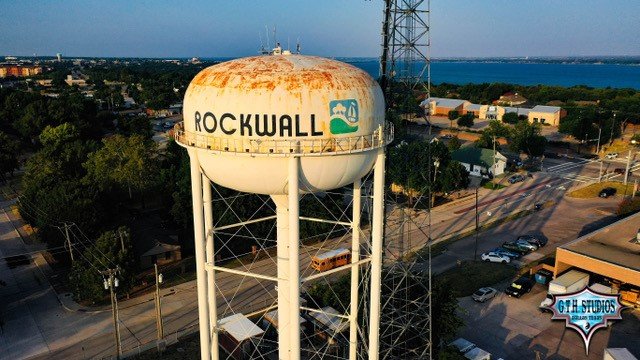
(535, 119)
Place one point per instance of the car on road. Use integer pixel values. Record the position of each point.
(606, 192)
(495, 257)
(484, 294)
(611, 156)
(520, 287)
(511, 254)
(513, 246)
(538, 241)
(526, 244)
(516, 178)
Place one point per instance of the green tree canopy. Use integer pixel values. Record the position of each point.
(526, 138)
(128, 163)
(9, 150)
(466, 120)
(510, 118)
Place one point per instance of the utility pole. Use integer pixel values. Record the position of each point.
(599, 134)
(600, 173)
(121, 240)
(613, 123)
(158, 305)
(626, 172)
(475, 249)
(493, 171)
(110, 284)
(66, 233)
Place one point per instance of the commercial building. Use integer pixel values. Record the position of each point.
(511, 99)
(480, 162)
(19, 70)
(72, 80)
(550, 115)
(442, 106)
(612, 252)
(547, 114)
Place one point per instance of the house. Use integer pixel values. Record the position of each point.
(511, 99)
(161, 253)
(235, 336)
(442, 106)
(550, 115)
(480, 162)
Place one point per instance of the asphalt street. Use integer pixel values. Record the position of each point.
(57, 333)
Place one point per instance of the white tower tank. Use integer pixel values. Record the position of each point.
(282, 125)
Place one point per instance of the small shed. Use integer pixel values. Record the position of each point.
(236, 334)
(271, 319)
(328, 324)
(477, 354)
(161, 253)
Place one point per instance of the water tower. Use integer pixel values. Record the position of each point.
(285, 125)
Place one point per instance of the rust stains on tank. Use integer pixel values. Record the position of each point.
(288, 72)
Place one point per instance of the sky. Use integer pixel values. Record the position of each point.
(340, 28)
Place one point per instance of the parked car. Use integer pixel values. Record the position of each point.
(538, 241)
(484, 294)
(520, 287)
(526, 244)
(516, 178)
(167, 125)
(513, 246)
(611, 156)
(495, 257)
(606, 192)
(512, 254)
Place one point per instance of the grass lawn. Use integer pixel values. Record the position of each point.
(593, 190)
(465, 279)
(493, 186)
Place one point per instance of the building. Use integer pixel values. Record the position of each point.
(511, 99)
(235, 336)
(550, 115)
(612, 253)
(328, 324)
(522, 112)
(161, 253)
(480, 162)
(19, 70)
(474, 109)
(442, 106)
(72, 80)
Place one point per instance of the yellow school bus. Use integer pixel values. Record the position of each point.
(331, 259)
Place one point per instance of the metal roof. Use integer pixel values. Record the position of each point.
(546, 109)
(448, 103)
(272, 317)
(240, 327)
(329, 320)
(517, 110)
(472, 107)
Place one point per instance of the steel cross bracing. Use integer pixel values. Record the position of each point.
(405, 329)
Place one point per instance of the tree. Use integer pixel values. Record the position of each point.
(411, 165)
(123, 162)
(454, 143)
(112, 249)
(510, 118)
(466, 120)
(444, 309)
(453, 114)
(9, 150)
(526, 138)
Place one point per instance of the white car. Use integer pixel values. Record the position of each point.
(611, 156)
(484, 294)
(495, 257)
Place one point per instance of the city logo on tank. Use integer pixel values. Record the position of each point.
(586, 311)
(344, 116)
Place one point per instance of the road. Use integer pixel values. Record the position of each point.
(58, 333)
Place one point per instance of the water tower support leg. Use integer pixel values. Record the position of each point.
(211, 289)
(282, 248)
(294, 256)
(355, 271)
(376, 256)
(201, 274)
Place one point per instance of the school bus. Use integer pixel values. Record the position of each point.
(331, 259)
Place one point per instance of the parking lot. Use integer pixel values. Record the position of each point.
(511, 328)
